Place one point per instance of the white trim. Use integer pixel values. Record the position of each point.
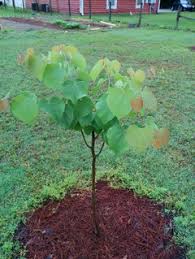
(81, 9)
(113, 6)
(158, 5)
(137, 6)
(18, 3)
(150, 1)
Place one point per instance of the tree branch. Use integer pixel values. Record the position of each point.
(100, 149)
(83, 135)
(97, 136)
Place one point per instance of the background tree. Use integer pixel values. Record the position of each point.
(103, 104)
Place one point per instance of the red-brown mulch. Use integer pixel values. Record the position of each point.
(192, 48)
(50, 25)
(131, 228)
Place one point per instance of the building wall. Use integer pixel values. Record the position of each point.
(123, 6)
(58, 5)
(98, 6)
(63, 6)
(18, 3)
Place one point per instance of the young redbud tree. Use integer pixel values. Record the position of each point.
(100, 102)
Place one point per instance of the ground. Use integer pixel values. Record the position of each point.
(18, 26)
(35, 161)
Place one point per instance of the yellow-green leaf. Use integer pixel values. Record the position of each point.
(115, 66)
(79, 61)
(118, 101)
(150, 102)
(53, 76)
(25, 107)
(139, 138)
(139, 76)
(97, 69)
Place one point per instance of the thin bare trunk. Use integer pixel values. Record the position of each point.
(94, 209)
(94, 157)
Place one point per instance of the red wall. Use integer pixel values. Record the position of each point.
(98, 6)
(123, 6)
(58, 5)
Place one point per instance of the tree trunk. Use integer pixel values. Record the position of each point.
(94, 209)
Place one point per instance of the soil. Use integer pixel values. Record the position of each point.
(43, 24)
(131, 227)
(19, 26)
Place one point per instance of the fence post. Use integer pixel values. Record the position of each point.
(4, 3)
(69, 8)
(150, 6)
(110, 10)
(23, 5)
(89, 9)
(14, 5)
(140, 15)
(177, 18)
(50, 7)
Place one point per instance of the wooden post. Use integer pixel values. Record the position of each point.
(150, 6)
(50, 7)
(89, 9)
(140, 15)
(37, 2)
(110, 10)
(69, 8)
(177, 18)
(4, 3)
(14, 5)
(23, 5)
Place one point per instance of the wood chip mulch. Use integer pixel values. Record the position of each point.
(131, 227)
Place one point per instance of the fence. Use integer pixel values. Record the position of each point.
(92, 8)
(179, 16)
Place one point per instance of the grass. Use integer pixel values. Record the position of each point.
(34, 162)
(161, 20)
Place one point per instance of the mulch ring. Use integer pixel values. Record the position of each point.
(50, 25)
(192, 48)
(131, 227)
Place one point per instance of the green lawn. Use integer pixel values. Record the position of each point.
(35, 161)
